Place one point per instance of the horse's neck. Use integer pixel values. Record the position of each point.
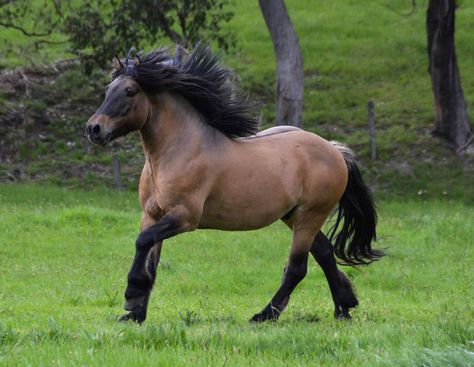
(174, 129)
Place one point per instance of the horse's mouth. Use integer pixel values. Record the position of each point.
(99, 140)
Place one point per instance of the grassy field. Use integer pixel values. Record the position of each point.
(64, 256)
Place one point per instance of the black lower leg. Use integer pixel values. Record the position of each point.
(340, 286)
(140, 281)
(294, 273)
(135, 302)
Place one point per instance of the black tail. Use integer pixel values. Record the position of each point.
(357, 213)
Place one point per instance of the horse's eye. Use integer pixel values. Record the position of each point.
(130, 92)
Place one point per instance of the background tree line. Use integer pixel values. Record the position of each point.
(94, 30)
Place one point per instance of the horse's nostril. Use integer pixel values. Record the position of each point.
(96, 130)
(88, 130)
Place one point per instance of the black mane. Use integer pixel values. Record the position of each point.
(198, 77)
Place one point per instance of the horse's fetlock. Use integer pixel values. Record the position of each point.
(135, 293)
(142, 283)
(137, 304)
(346, 294)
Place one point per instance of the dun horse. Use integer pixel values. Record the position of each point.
(207, 166)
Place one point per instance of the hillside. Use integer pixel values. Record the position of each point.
(354, 51)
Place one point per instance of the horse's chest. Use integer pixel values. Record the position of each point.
(159, 195)
(152, 209)
(148, 194)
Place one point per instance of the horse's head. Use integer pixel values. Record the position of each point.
(124, 109)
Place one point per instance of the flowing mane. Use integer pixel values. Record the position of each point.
(201, 79)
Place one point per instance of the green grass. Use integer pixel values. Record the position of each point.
(64, 256)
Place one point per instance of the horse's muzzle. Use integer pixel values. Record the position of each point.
(96, 135)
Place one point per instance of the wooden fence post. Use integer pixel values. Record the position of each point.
(118, 183)
(373, 152)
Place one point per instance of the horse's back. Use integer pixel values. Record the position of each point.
(291, 140)
(271, 131)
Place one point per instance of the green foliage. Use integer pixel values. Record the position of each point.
(30, 28)
(32, 19)
(95, 30)
(65, 255)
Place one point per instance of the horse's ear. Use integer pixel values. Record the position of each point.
(117, 64)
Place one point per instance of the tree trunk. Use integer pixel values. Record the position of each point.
(452, 122)
(289, 70)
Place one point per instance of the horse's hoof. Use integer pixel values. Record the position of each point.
(342, 314)
(260, 317)
(265, 315)
(139, 318)
(269, 313)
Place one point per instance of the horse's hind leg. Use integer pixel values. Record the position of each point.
(295, 270)
(340, 286)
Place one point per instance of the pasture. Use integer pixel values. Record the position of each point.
(64, 256)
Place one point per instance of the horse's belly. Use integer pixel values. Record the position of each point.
(256, 188)
(247, 208)
(231, 221)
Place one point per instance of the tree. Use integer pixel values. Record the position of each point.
(37, 22)
(289, 70)
(97, 29)
(452, 122)
(42, 19)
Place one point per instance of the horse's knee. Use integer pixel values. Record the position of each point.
(144, 242)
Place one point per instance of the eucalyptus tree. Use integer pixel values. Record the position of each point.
(452, 121)
(289, 62)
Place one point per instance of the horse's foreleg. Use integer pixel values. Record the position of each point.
(143, 271)
(340, 286)
(139, 306)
